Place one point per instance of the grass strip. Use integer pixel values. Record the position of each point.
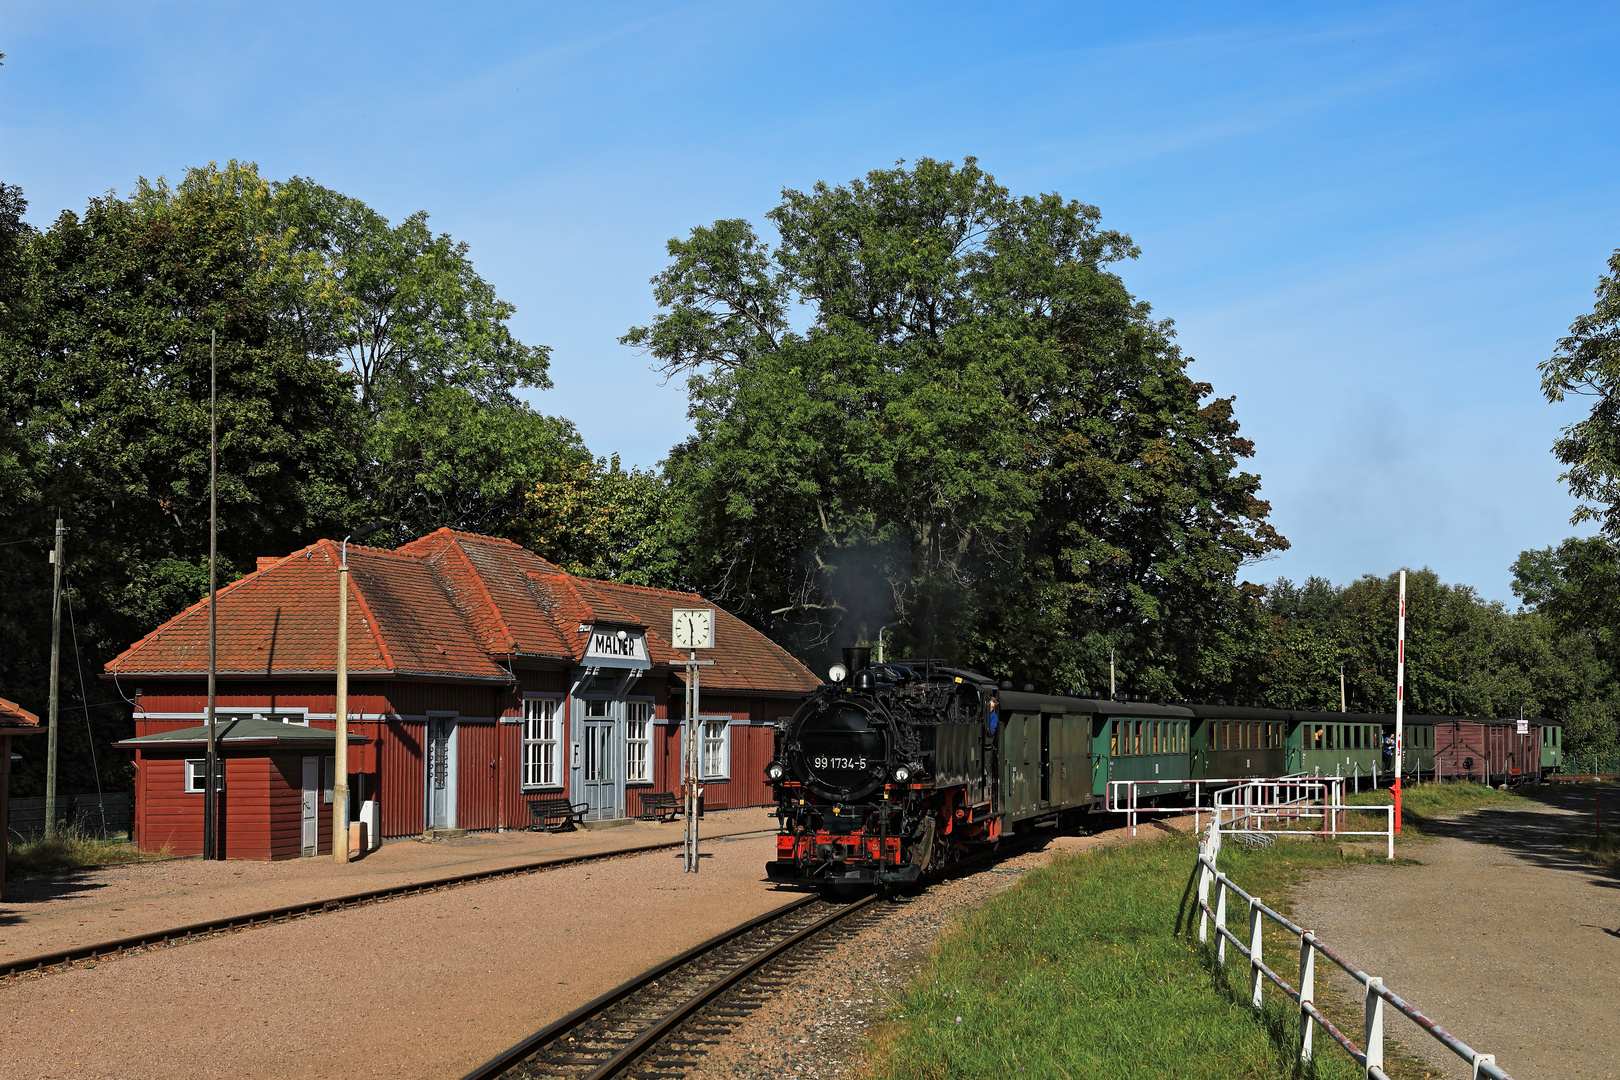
(1078, 971)
(72, 850)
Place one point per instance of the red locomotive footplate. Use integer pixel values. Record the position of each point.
(846, 846)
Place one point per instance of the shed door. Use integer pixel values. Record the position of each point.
(312, 805)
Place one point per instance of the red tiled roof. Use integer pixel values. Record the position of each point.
(13, 716)
(446, 605)
(282, 620)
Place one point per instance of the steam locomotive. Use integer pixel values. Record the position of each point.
(890, 771)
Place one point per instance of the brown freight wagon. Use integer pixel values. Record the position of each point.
(1487, 749)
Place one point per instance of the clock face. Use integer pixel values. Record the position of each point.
(693, 628)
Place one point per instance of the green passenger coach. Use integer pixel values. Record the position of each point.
(1133, 740)
(1236, 743)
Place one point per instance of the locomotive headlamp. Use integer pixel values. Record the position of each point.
(837, 673)
(774, 771)
(901, 774)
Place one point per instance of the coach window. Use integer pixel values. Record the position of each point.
(1113, 738)
(540, 737)
(637, 761)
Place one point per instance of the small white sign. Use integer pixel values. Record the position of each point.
(1524, 726)
(612, 647)
(692, 628)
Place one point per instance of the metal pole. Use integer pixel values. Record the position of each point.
(57, 554)
(340, 735)
(1400, 700)
(211, 770)
(1341, 687)
(1110, 674)
(690, 764)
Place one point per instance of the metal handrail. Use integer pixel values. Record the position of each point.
(1372, 1058)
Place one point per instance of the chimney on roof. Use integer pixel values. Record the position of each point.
(267, 560)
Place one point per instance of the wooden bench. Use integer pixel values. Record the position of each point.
(659, 806)
(554, 813)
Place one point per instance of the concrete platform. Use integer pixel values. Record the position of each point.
(43, 913)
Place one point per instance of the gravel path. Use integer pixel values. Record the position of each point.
(428, 986)
(48, 912)
(1501, 936)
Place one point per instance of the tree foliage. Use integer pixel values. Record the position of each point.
(1587, 362)
(978, 431)
(363, 370)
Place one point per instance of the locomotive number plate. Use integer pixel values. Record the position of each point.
(840, 763)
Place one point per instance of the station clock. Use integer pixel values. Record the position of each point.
(693, 628)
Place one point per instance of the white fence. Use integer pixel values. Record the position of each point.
(1376, 994)
(1289, 805)
(1273, 806)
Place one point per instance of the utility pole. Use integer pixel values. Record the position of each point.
(1341, 687)
(340, 733)
(57, 554)
(211, 770)
(1110, 674)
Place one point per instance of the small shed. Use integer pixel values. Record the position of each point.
(274, 802)
(14, 720)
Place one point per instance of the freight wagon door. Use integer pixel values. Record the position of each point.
(312, 804)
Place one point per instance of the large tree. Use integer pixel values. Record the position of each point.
(364, 370)
(932, 402)
(1587, 362)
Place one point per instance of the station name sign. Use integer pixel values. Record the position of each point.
(612, 647)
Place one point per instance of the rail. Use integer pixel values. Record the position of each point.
(1121, 797)
(1283, 806)
(1376, 995)
(620, 1031)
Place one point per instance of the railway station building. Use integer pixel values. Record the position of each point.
(481, 677)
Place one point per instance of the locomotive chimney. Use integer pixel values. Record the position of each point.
(857, 658)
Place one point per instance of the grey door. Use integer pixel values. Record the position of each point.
(312, 805)
(600, 770)
(441, 788)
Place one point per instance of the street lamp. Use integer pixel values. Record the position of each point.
(340, 750)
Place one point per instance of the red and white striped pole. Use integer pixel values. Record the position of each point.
(1400, 701)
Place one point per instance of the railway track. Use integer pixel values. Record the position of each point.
(657, 1024)
(168, 937)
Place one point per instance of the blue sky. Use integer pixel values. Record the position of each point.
(1369, 223)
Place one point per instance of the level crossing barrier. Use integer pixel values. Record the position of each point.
(1376, 995)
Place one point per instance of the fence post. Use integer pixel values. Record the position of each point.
(1256, 979)
(1307, 993)
(1389, 832)
(1220, 921)
(1206, 870)
(1375, 1025)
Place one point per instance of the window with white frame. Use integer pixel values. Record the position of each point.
(637, 728)
(716, 747)
(197, 776)
(540, 737)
